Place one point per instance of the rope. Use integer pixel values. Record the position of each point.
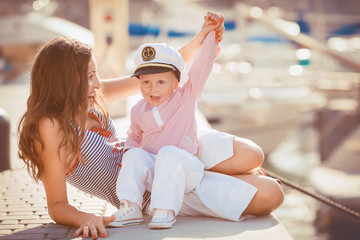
(317, 196)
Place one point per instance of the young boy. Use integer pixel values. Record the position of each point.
(162, 147)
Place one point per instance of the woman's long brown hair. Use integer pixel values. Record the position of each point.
(59, 91)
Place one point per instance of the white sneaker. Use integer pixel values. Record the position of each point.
(163, 218)
(127, 215)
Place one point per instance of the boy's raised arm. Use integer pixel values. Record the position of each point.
(120, 88)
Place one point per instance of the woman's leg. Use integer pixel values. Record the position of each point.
(246, 159)
(243, 165)
(240, 158)
(224, 196)
(224, 153)
(268, 198)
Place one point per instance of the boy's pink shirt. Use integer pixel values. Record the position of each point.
(173, 121)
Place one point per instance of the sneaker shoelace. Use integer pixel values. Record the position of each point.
(124, 209)
(162, 213)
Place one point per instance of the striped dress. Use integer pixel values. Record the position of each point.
(103, 153)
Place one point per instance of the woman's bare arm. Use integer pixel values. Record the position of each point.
(120, 88)
(54, 181)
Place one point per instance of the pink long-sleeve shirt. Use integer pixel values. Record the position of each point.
(173, 121)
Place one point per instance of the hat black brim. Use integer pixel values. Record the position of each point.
(155, 69)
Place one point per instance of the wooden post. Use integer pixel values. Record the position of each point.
(109, 23)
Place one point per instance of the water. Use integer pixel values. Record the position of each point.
(294, 158)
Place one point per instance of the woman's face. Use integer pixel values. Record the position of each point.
(94, 82)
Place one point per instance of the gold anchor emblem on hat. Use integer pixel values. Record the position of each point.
(148, 53)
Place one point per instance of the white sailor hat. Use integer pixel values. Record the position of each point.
(153, 58)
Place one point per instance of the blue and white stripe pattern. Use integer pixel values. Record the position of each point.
(102, 152)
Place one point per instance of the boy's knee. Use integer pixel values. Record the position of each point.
(168, 150)
(170, 157)
(168, 153)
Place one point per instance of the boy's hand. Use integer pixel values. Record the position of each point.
(212, 21)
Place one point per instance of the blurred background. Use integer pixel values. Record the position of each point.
(287, 78)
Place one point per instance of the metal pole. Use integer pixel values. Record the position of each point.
(4, 141)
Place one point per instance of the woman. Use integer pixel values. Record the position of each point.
(66, 112)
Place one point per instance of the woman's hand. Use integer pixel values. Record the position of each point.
(212, 21)
(93, 225)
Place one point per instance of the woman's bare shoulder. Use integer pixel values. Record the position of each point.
(49, 128)
(48, 122)
(51, 137)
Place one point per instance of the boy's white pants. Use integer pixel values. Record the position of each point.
(168, 176)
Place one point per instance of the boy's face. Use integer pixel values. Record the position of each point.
(158, 87)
